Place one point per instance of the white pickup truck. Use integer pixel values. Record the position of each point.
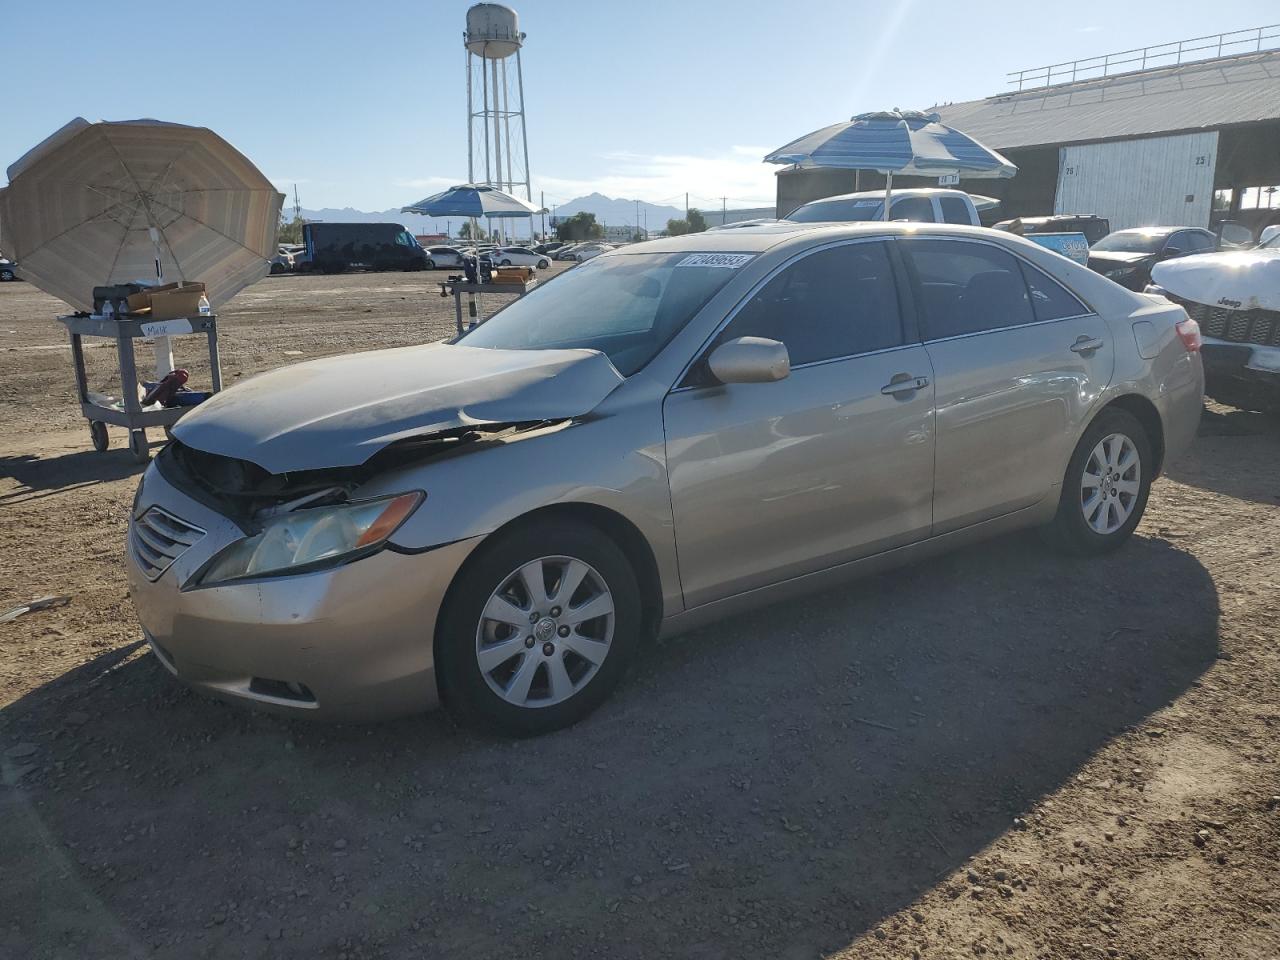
(922, 205)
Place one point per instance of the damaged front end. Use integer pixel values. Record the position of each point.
(307, 520)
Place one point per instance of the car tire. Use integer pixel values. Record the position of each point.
(6, 275)
(502, 675)
(505, 263)
(1105, 489)
(544, 264)
(429, 265)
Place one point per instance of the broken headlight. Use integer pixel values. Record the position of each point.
(312, 538)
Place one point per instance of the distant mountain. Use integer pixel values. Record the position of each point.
(617, 212)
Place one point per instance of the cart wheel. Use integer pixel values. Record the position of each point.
(138, 445)
(98, 434)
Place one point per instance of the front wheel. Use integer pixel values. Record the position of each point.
(506, 263)
(1105, 490)
(6, 275)
(538, 629)
(429, 265)
(544, 264)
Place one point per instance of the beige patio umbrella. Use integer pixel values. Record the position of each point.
(112, 202)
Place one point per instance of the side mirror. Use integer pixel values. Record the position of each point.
(750, 360)
(1173, 251)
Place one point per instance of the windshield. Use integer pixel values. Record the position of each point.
(626, 306)
(1132, 241)
(1271, 243)
(838, 209)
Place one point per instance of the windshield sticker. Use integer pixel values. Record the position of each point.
(732, 261)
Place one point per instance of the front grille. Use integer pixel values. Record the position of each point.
(157, 538)
(1261, 327)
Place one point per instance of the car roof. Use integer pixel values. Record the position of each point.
(1156, 231)
(764, 236)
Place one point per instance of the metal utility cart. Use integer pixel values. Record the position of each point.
(458, 286)
(124, 331)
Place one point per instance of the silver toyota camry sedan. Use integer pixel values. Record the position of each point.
(665, 435)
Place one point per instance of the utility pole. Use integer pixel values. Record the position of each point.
(686, 206)
(723, 212)
(297, 207)
(637, 218)
(542, 205)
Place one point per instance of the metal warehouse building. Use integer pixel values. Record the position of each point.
(1142, 137)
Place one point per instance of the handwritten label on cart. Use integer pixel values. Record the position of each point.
(166, 328)
(731, 261)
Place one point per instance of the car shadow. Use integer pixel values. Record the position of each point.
(776, 784)
(1235, 453)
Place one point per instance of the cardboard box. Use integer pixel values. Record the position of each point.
(512, 274)
(170, 302)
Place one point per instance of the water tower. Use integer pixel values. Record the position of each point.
(497, 152)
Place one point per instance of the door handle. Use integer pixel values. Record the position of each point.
(904, 383)
(1085, 344)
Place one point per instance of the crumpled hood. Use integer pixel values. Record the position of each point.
(1240, 279)
(340, 411)
(1116, 258)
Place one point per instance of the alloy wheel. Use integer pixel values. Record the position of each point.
(1111, 483)
(545, 631)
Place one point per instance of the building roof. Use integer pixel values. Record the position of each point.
(1205, 94)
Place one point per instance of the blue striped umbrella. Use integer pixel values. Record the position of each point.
(895, 141)
(472, 200)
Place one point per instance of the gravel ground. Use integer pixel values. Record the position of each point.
(999, 752)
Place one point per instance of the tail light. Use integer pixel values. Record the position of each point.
(1189, 333)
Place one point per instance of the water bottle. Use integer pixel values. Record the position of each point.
(108, 310)
(203, 306)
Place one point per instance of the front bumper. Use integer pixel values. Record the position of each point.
(1245, 362)
(349, 643)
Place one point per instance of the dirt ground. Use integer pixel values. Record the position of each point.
(1001, 752)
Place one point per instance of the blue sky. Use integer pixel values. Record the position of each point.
(363, 104)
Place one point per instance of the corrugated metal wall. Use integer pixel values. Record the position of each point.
(1138, 183)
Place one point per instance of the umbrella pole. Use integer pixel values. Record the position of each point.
(888, 191)
(163, 348)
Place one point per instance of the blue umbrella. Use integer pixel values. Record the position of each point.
(895, 141)
(472, 200)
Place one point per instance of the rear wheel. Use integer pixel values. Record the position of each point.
(6, 275)
(538, 629)
(506, 263)
(1105, 490)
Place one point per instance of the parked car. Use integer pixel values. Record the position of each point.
(740, 224)
(924, 205)
(335, 247)
(496, 520)
(282, 262)
(519, 257)
(8, 270)
(444, 258)
(1094, 228)
(1127, 256)
(551, 246)
(1235, 297)
(586, 251)
(566, 252)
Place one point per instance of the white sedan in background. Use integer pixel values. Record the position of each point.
(519, 257)
(443, 257)
(589, 250)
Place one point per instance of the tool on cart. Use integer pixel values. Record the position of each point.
(96, 206)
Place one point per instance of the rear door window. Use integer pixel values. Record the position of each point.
(837, 302)
(966, 287)
(1049, 299)
(954, 210)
